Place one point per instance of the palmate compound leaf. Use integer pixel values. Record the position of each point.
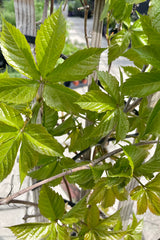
(76, 67)
(41, 141)
(97, 101)
(17, 90)
(50, 41)
(146, 198)
(17, 51)
(142, 84)
(51, 204)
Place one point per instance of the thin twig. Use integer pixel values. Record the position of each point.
(138, 181)
(127, 104)
(16, 201)
(65, 4)
(69, 172)
(52, 7)
(134, 104)
(31, 216)
(68, 189)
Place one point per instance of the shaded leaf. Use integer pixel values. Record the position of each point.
(76, 213)
(108, 198)
(51, 204)
(64, 127)
(151, 166)
(27, 160)
(153, 125)
(61, 98)
(18, 54)
(76, 67)
(122, 126)
(142, 84)
(49, 118)
(110, 84)
(139, 194)
(50, 42)
(93, 215)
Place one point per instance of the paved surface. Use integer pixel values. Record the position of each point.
(10, 215)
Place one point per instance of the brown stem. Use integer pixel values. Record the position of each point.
(133, 105)
(16, 201)
(68, 172)
(31, 216)
(68, 189)
(52, 7)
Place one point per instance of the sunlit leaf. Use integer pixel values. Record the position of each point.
(50, 42)
(17, 51)
(51, 204)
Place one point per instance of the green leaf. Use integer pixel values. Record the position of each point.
(122, 126)
(108, 198)
(134, 1)
(122, 168)
(76, 213)
(41, 141)
(136, 154)
(153, 125)
(10, 116)
(132, 55)
(49, 169)
(105, 10)
(105, 126)
(120, 43)
(76, 67)
(9, 145)
(17, 90)
(62, 233)
(110, 84)
(27, 160)
(154, 184)
(83, 178)
(153, 202)
(151, 166)
(50, 42)
(17, 51)
(135, 230)
(61, 98)
(150, 30)
(139, 194)
(154, 13)
(98, 193)
(142, 84)
(93, 215)
(138, 37)
(51, 204)
(148, 54)
(64, 127)
(34, 231)
(118, 7)
(96, 101)
(129, 70)
(49, 118)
